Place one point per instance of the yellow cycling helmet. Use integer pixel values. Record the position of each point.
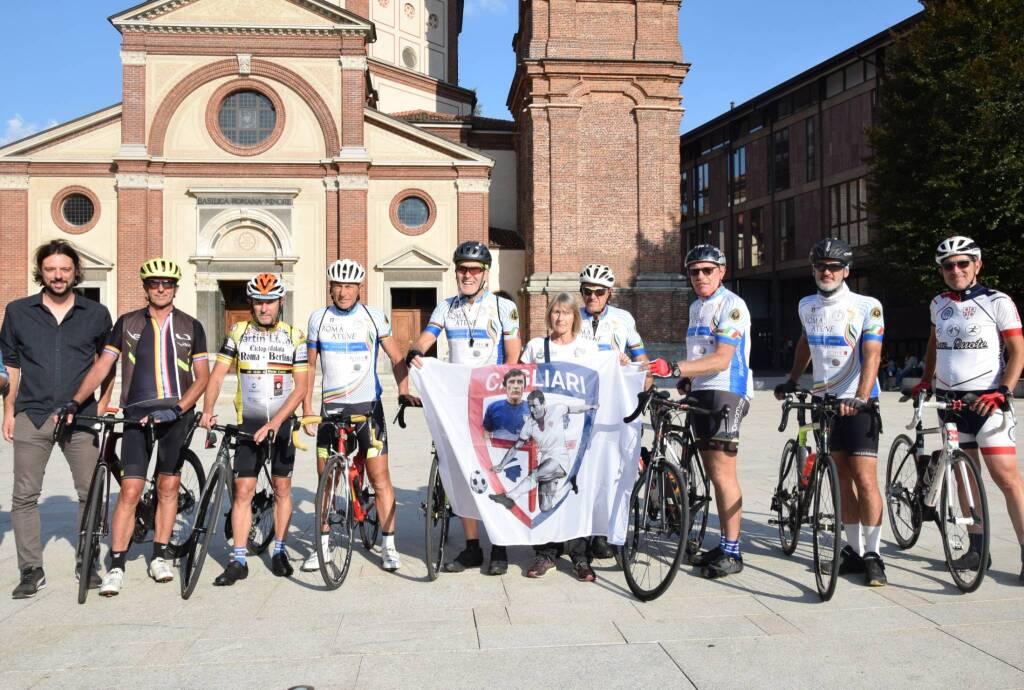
(160, 268)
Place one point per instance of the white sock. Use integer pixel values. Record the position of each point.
(854, 538)
(873, 538)
(389, 541)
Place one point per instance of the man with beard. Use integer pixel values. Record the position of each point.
(49, 341)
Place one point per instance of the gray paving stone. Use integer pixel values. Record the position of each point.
(967, 611)
(1004, 641)
(570, 632)
(691, 629)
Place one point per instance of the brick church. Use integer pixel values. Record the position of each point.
(280, 135)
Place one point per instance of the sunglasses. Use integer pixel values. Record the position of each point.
(831, 268)
(469, 270)
(703, 270)
(962, 264)
(594, 292)
(154, 283)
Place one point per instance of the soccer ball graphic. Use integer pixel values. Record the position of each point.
(477, 482)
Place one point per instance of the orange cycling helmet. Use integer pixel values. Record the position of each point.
(265, 286)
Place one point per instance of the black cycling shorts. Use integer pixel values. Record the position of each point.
(723, 430)
(366, 432)
(249, 457)
(856, 434)
(170, 441)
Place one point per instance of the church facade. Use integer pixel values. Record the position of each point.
(280, 135)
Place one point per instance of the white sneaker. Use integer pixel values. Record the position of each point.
(112, 582)
(389, 559)
(312, 563)
(160, 571)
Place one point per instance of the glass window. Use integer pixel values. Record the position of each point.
(721, 239)
(684, 195)
(413, 212)
(870, 71)
(811, 140)
(848, 215)
(738, 174)
(780, 159)
(756, 237)
(834, 84)
(702, 195)
(246, 118)
(740, 241)
(77, 209)
(854, 74)
(786, 222)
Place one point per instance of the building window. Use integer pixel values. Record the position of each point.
(720, 240)
(786, 223)
(756, 237)
(834, 84)
(848, 216)
(738, 173)
(75, 210)
(684, 195)
(811, 140)
(780, 159)
(247, 118)
(740, 221)
(413, 212)
(702, 196)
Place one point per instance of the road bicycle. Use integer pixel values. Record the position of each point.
(95, 523)
(945, 486)
(344, 498)
(808, 487)
(261, 532)
(218, 483)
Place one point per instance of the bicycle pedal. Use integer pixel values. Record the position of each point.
(773, 521)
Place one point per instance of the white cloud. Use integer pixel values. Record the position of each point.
(473, 7)
(16, 128)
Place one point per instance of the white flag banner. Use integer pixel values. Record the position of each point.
(540, 454)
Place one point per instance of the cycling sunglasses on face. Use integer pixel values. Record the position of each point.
(154, 283)
(705, 270)
(962, 264)
(831, 268)
(469, 270)
(594, 292)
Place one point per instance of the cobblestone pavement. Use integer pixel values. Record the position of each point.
(765, 627)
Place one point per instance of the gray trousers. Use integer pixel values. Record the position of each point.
(32, 448)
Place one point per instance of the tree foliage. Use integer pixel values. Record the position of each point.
(949, 144)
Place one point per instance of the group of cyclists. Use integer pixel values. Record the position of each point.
(59, 348)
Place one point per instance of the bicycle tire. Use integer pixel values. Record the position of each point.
(787, 499)
(437, 518)
(902, 500)
(658, 507)
(205, 524)
(369, 528)
(334, 508)
(193, 479)
(261, 531)
(698, 491)
(960, 460)
(90, 530)
(825, 522)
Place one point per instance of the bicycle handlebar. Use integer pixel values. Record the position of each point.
(921, 402)
(404, 401)
(829, 404)
(60, 429)
(661, 399)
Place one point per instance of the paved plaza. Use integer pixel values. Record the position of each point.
(764, 628)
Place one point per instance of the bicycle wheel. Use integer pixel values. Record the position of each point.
(205, 524)
(825, 521)
(957, 516)
(262, 530)
(437, 515)
(656, 533)
(786, 500)
(193, 479)
(698, 490)
(901, 497)
(369, 528)
(91, 530)
(334, 511)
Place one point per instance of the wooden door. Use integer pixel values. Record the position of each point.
(406, 326)
(233, 316)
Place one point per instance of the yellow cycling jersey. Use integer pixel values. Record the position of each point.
(264, 359)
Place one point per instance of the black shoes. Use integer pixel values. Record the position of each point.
(32, 580)
(540, 566)
(704, 557)
(874, 570)
(583, 572)
(722, 566)
(970, 561)
(467, 558)
(499, 561)
(232, 574)
(600, 548)
(280, 566)
(850, 561)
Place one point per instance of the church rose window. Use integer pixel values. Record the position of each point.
(247, 118)
(77, 209)
(413, 212)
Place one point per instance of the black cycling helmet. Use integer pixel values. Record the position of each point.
(472, 251)
(705, 252)
(833, 249)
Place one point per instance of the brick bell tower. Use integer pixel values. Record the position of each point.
(596, 102)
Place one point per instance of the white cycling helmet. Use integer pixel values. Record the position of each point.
(597, 274)
(955, 246)
(345, 271)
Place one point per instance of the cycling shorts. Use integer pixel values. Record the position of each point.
(170, 441)
(367, 433)
(856, 434)
(249, 457)
(718, 432)
(981, 432)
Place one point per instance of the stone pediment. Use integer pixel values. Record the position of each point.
(276, 16)
(413, 259)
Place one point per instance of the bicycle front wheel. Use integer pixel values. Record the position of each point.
(203, 527)
(91, 530)
(262, 530)
(963, 511)
(901, 497)
(335, 523)
(657, 530)
(787, 499)
(825, 522)
(437, 515)
(698, 490)
(193, 479)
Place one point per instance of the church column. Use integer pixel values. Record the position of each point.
(14, 232)
(132, 236)
(133, 104)
(352, 192)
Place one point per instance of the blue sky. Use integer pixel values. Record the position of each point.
(62, 55)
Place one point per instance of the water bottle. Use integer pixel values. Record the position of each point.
(806, 460)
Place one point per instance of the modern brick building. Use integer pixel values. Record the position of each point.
(279, 135)
(773, 175)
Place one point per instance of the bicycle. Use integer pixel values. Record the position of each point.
(217, 484)
(261, 532)
(95, 523)
(917, 486)
(658, 506)
(344, 498)
(808, 487)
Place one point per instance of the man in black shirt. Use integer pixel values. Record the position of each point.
(49, 341)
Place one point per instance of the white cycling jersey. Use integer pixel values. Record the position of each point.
(347, 343)
(970, 326)
(835, 327)
(721, 318)
(616, 330)
(575, 351)
(476, 332)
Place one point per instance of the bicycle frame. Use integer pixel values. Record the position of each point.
(345, 427)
